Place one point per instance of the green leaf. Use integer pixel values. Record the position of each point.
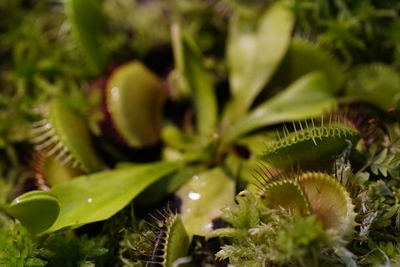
(97, 197)
(203, 197)
(189, 62)
(255, 48)
(308, 97)
(37, 210)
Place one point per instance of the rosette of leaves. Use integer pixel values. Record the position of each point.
(272, 79)
(204, 144)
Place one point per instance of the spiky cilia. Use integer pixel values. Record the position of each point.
(312, 144)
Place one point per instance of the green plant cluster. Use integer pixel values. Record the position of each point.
(114, 106)
(273, 236)
(19, 248)
(261, 236)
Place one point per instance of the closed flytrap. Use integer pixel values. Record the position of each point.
(161, 241)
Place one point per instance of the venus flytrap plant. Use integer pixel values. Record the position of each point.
(312, 85)
(304, 216)
(134, 98)
(119, 97)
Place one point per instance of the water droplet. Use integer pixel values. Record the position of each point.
(115, 94)
(208, 227)
(194, 196)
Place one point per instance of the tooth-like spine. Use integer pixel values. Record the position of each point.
(56, 148)
(46, 140)
(338, 129)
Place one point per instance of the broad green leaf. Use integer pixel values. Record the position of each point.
(189, 62)
(97, 197)
(86, 19)
(309, 96)
(36, 210)
(255, 48)
(203, 197)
